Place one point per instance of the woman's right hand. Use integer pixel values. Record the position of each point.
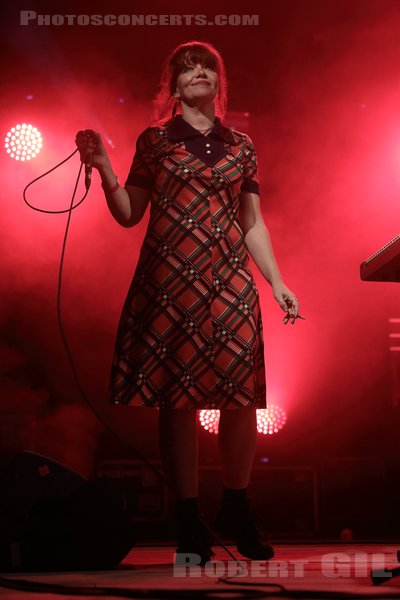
(88, 141)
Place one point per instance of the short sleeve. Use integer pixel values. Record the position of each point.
(250, 169)
(143, 169)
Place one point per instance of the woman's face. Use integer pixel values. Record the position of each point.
(196, 84)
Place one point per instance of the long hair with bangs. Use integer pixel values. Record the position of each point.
(164, 104)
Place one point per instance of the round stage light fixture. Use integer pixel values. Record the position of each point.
(270, 420)
(23, 142)
(209, 419)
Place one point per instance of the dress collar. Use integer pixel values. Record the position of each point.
(179, 129)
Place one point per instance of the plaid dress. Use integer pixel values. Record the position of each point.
(190, 334)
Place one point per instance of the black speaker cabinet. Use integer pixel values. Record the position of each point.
(51, 518)
(142, 493)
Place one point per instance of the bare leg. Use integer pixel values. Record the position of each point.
(179, 450)
(237, 437)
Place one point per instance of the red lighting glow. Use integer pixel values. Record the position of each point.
(23, 142)
(269, 420)
(209, 419)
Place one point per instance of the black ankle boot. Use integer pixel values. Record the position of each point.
(238, 523)
(193, 536)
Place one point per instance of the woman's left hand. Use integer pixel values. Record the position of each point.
(287, 301)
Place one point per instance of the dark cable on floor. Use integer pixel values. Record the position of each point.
(175, 594)
(274, 590)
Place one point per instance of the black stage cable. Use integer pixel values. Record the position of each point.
(154, 594)
(55, 212)
(66, 343)
(277, 591)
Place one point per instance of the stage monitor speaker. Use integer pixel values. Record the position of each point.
(53, 519)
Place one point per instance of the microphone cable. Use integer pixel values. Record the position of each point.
(66, 343)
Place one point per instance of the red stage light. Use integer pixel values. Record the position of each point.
(23, 142)
(209, 419)
(269, 420)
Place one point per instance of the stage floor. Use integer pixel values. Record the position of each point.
(309, 567)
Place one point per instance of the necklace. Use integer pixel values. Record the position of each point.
(204, 131)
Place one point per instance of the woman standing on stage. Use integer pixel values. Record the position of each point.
(190, 335)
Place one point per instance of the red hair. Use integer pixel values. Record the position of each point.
(164, 103)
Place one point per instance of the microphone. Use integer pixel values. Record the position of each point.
(91, 136)
(88, 169)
